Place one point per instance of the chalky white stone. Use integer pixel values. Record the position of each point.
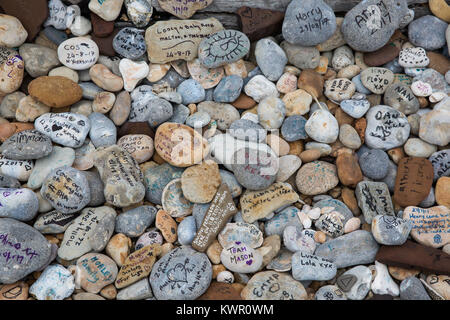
(132, 72)
(383, 283)
(12, 32)
(55, 283)
(18, 169)
(241, 258)
(413, 58)
(108, 10)
(322, 126)
(421, 89)
(78, 53)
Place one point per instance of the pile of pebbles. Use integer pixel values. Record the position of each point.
(305, 156)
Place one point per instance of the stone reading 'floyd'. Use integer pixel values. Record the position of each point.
(220, 211)
(308, 22)
(370, 24)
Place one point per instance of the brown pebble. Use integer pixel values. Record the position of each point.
(167, 225)
(360, 127)
(312, 82)
(396, 154)
(348, 168)
(56, 91)
(310, 155)
(348, 197)
(244, 102)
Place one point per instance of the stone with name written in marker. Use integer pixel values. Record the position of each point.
(308, 22)
(223, 47)
(413, 182)
(17, 169)
(79, 53)
(95, 271)
(370, 24)
(27, 145)
(387, 128)
(67, 189)
(137, 265)
(331, 224)
(430, 227)
(121, 176)
(220, 210)
(181, 274)
(259, 204)
(180, 145)
(68, 129)
(241, 258)
(390, 230)
(240, 231)
(374, 199)
(270, 285)
(311, 267)
(53, 222)
(184, 9)
(24, 250)
(339, 89)
(377, 80)
(178, 39)
(130, 43)
(55, 283)
(20, 204)
(90, 231)
(401, 98)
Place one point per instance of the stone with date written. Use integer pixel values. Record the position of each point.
(414, 181)
(91, 230)
(308, 22)
(374, 199)
(78, 53)
(271, 285)
(178, 39)
(23, 250)
(181, 274)
(430, 227)
(220, 210)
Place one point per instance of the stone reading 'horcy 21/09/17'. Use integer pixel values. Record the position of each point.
(220, 210)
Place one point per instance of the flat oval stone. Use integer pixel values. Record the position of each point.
(140, 146)
(192, 149)
(427, 32)
(17, 169)
(39, 60)
(130, 43)
(53, 222)
(207, 77)
(25, 250)
(90, 231)
(223, 47)
(78, 53)
(225, 114)
(167, 225)
(95, 271)
(244, 129)
(357, 247)
(67, 189)
(259, 88)
(428, 225)
(377, 80)
(27, 145)
(228, 89)
(178, 270)
(414, 181)
(253, 169)
(308, 23)
(134, 222)
(293, 128)
(55, 283)
(270, 285)
(57, 158)
(67, 129)
(401, 98)
(187, 230)
(137, 265)
(201, 182)
(271, 58)
(121, 176)
(374, 164)
(355, 108)
(369, 33)
(19, 204)
(311, 267)
(322, 126)
(391, 231)
(387, 128)
(316, 178)
(173, 200)
(156, 179)
(240, 231)
(55, 91)
(171, 47)
(242, 258)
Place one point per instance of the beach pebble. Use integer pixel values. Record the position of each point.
(55, 283)
(271, 59)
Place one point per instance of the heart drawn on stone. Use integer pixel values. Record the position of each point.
(238, 242)
(55, 127)
(177, 273)
(249, 262)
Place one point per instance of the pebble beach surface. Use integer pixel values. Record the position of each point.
(150, 154)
